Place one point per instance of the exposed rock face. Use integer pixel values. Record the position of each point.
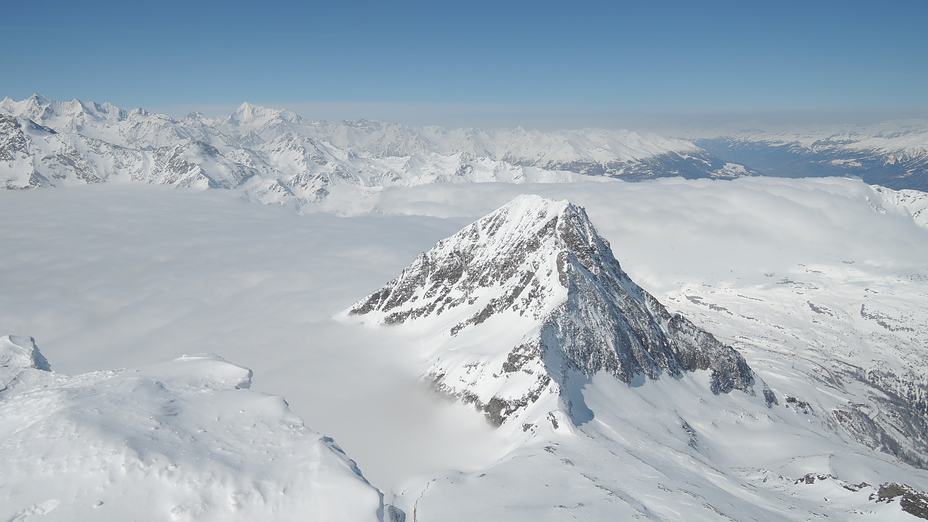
(912, 502)
(536, 272)
(896, 419)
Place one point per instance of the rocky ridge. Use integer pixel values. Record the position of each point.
(529, 303)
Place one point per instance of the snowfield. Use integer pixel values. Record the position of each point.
(820, 284)
(179, 440)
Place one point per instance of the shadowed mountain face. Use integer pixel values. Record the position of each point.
(538, 300)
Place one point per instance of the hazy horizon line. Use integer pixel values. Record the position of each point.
(491, 116)
(451, 115)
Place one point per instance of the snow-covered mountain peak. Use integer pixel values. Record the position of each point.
(254, 116)
(520, 240)
(71, 115)
(35, 107)
(913, 203)
(528, 301)
(298, 161)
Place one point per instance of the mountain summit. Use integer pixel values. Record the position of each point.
(529, 302)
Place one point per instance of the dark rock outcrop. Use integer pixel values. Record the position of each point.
(540, 265)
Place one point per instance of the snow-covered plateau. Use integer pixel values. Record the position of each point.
(747, 349)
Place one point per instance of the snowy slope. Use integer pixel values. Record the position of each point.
(508, 313)
(275, 156)
(911, 202)
(183, 440)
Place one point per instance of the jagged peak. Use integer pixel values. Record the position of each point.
(536, 273)
(38, 99)
(527, 216)
(250, 114)
(533, 203)
(523, 239)
(42, 109)
(32, 106)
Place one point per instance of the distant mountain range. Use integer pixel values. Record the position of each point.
(277, 156)
(891, 154)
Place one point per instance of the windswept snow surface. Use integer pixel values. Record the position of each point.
(182, 440)
(821, 284)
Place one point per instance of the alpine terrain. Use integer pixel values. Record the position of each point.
(759, 353)
(565, 390)
(275, 156)
(893, 154)
(610, 406)
(537, 273)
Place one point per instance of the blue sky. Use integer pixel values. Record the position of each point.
(506, 60)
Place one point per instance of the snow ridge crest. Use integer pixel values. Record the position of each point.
(18, 354)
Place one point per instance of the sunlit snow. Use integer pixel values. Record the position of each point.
(806, 278)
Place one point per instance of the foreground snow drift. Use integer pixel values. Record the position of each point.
(182, 440)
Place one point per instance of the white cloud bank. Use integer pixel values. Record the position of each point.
(112, 276)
